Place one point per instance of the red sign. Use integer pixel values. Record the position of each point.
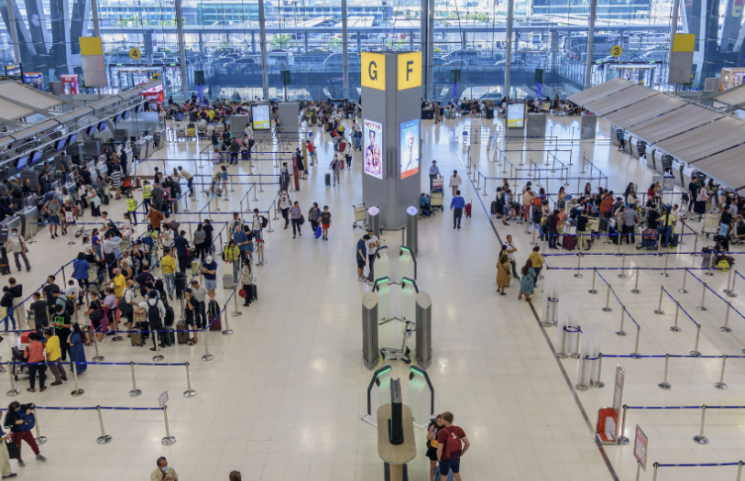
(640, 447)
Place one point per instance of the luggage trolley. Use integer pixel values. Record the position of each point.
(360, 215)
(711, 224)
(436, 195)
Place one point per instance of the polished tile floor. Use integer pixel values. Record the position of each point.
(283, 397)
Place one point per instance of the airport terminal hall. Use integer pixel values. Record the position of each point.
(336, 240)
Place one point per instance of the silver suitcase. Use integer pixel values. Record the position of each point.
(228, 282)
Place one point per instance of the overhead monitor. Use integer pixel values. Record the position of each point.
(516, 115)
(60, 144)
(102, 126)
(117, 118)
(90, 130)
(373, 159)
(21, 163)
(72, 138)
(36, 157)
(409, 154)
(138, 109)
(261, 117)
(125, 115)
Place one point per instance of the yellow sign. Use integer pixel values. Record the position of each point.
(409, 70)
(134, 53)
(684, 42)
(373, 70)
(90, 46)
(616, 51)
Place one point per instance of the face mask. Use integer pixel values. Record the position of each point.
(14, 234)
(164, 468)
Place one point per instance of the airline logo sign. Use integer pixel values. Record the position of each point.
(373, 70)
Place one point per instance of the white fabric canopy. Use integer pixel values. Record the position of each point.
(11, 111)
(706, 140)
(619, 100)
(26, 95)
(674, 123)
(644, 110)
(600, 91)
(726, 167)
(733, 96)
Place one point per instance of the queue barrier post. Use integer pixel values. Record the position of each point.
(621, 438)
(484, 193)
(158, 356)
(696, 352)
(13, 391)
(620, 331)
(598, 383)
(578, 275)
(659, 310)
(607, 307)
(39, 438)
(581, 386)
(622, 274)
(725, 327)
(103, 438)
(739, 470)
(700, 438)
(702, 307)
(207, 356)
(664, 384)
(675, 327)
(98, 357)
(635, 354)
(77, 392)
(654, 474)
(664, 271)
(683, 290)
(594, 273)
(134, 392)
(562, 353)
(731, 292)
(710, 273)
(236, 312)
(168, 440)
(721, 384)
(726, 290)
(636, 290)
(189, 391)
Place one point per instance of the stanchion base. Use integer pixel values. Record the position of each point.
(71, 243)
(592, 291)
(237, 313)
(207, 357)
(720, 385)
(664, 385)
(581, 387)
(16, 392)
(134, 393)
(635, 291)
(190, 393)
(701, 439)
(620, 333)
(105, 439)
(158, 358)
(695, 353)
(578, 276)
(702, 308)
(675, 328)
(683, 291)
(623, 440)
(725, 329)
(659, 312)
(77, 392)
(270, 230)
(622, 276)
(41, 440)
(664, 274)
(561, 355)
(168, 440)
(227, 332)
(98, 359)
(549, 324)
(607, 309)
(599, 384)
(575, 355)
(709, 274)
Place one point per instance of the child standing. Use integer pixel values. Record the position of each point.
(325, 222)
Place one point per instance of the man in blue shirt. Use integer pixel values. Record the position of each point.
(458, 203)
(241, 240)
(434, 172)
(362, 257)
(209, 271)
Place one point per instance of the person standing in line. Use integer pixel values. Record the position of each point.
(503, 273)
(54, 353)
(5, 457)
(434, 173)
(163, 472)
(372, 245)
(209, 271)
(692, 192)
(146, 190)
(630, 219)
(17, 291)
(155, 312)
(182, 248)
(34, 356)
(132, 207)
(77, 351)
(245, 279)
(325, 222)
(189, 180)
(156, 196)
(296, 215)
(232, 255)
(536, 261)
(457, 204)
(455, 182)
(200, 294)
(256, 225)
(510, 250)
(18, 246)
(39, 309)
(199, 243)
(361, 256)
(452, 444)
(285, 202)
(311, 152)
(21, 422)
(168, 267)
(527, 283)
(335, 168)
(190, 310)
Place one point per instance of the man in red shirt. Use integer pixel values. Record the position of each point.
(452, 444)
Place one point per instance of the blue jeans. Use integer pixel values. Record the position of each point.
(665, 232)
(9, 315)
(170, 281)
(236, 269)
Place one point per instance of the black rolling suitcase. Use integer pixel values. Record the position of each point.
(494, 208)
(327, 179)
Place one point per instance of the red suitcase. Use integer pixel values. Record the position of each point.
(569, 242)
(468, 210)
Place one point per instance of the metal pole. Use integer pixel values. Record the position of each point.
(725, 327)
(695, 244)
(701, 439)
(664, 384)
(654, 475)
(168, 440)
(683, 289)
(592, 289)
(264, 64)
(578, 275)
(13, 391)
(702, 307)
(158, 356)
(508, 49)
(189, 391)
(598, 383)
(98, 357)
(181, 48)
(696, 352)
(620, 331)
(636, 290)
(731, 292)
(77, 392)
(103, 438)
(236, 312)
(709, 273)
(659, 305)
(739, 471)
(720, 384)
(729, 279)
(675, 327)
(664, 272)
(39, 438)
(607, 307)
(638, 470)
(622, 275)
(207, 356)
(134, 392)
(621, 438)
(562, 354)
(581, 386)
(261, 187)
(636, 345)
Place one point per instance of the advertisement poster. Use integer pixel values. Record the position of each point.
(261, 117)
(373, 134)
(409, 148)
(515, 115)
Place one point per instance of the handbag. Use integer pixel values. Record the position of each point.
(14, 452)
(301, 220)
(243, 293)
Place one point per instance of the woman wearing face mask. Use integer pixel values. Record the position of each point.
(21, 421)
(284, 204)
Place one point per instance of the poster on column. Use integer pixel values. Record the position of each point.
(373, 135)
(261, 117)
(409, 148)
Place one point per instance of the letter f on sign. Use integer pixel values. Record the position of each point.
(409, 69)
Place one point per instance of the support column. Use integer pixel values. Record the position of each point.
(673, 29)
(508, 50)
(94, 18)
(13, 30)
(590, 42)
(344, 45)
(424, 44)
(262, 42)
(181, 48)
(429, 78)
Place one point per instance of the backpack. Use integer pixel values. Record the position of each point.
(69, 306)
(125, 307)
(452, 444)
(153, 314)
(264, 221)
(537, 201)
(170, 317)
(550, 222)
